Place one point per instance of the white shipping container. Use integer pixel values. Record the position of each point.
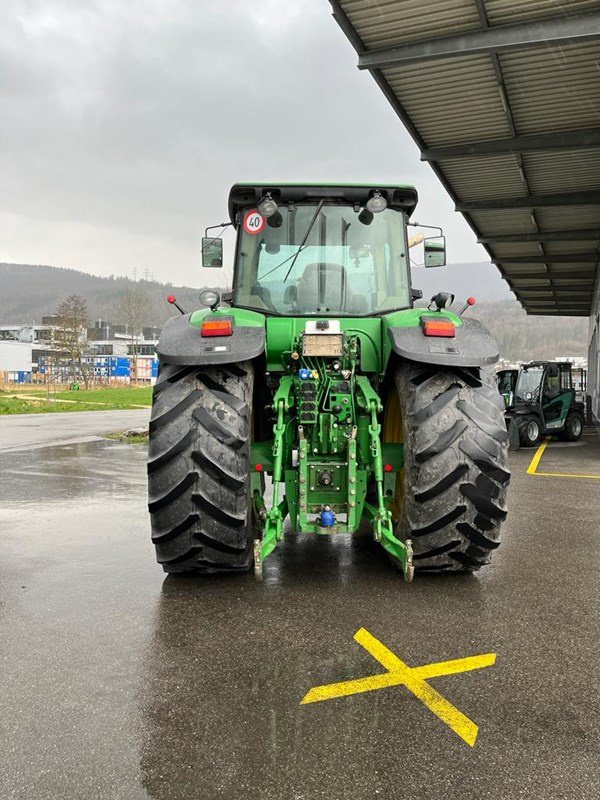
(15, 356)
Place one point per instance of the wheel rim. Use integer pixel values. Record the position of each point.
(532, 431)
(576, 426)
(393, 433)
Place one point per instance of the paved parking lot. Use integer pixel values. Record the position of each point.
(119, 683)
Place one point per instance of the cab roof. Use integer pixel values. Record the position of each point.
(247, 195)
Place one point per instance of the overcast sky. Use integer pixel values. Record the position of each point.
(124, 123)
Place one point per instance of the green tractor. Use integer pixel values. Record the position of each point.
(545, 403)
(318, 371)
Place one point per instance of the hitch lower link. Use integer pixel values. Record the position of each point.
(380, 516)
(271, 520)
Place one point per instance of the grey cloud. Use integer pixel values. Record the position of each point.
(125, 122)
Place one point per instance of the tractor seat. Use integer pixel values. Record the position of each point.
(335, 293)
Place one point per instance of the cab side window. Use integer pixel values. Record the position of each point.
(551, 387)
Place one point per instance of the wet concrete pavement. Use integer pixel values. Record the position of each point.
(20, 431)
(119, 683)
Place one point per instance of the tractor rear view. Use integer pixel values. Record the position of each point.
(320, 375)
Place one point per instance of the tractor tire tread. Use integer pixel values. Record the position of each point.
(198, 468)
(456, 465)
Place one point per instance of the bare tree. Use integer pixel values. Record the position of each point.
(132, 311)
(71, 336)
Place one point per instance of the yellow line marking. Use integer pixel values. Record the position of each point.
(536, 459)
(414, 678)
(532, 469)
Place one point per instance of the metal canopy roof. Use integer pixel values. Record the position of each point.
(503, 99)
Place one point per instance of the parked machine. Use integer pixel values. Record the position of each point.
(317, 371)
(545, 403)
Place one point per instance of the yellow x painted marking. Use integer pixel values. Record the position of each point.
(414, 678)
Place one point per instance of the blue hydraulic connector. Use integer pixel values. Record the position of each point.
(327, 518)
(304, 374)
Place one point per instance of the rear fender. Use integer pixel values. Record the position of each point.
(472, 346)
(182, 343)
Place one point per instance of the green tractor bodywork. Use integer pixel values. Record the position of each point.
(322, 305)
(336, 448)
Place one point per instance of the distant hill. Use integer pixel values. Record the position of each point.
(528, 338)
(29, 292)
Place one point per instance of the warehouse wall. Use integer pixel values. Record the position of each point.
(594, 353)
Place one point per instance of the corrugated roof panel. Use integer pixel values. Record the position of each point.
(568, 217)
(506, 220)
(572, 270)
(506, 12)
(516, 249)
(484, 177)
(451, 101)
(553, 88)
(564, 248)
(385, 23)
(563, 170)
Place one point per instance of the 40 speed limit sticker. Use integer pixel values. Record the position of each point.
(253, 222)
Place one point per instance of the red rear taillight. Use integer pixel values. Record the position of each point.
(438, 327)
(216, 327)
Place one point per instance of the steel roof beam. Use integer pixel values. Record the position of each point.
(559, 258)
(558, 312)
(518, 144)
(543, 293)
(497, 39)
(581, 235)
(574, 279)
(585, 198)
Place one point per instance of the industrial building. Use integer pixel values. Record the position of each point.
(32, 353)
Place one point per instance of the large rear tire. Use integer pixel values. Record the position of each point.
(455, 475)
(198, 468)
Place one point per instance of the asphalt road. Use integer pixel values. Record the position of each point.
(119, 683)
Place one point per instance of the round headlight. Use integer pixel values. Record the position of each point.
(210, 298)
(267, 206)
(376, 203)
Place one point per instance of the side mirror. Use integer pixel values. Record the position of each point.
(212, 252)
(435, 251)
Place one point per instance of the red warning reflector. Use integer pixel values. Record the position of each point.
(216, 327)
(438, 327)
(171, 298)
(258, 467)
(388, 467)
(471, 301)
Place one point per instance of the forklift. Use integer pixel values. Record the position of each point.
(544, 403)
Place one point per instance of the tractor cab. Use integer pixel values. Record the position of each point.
(317, 252)
(545, 402)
